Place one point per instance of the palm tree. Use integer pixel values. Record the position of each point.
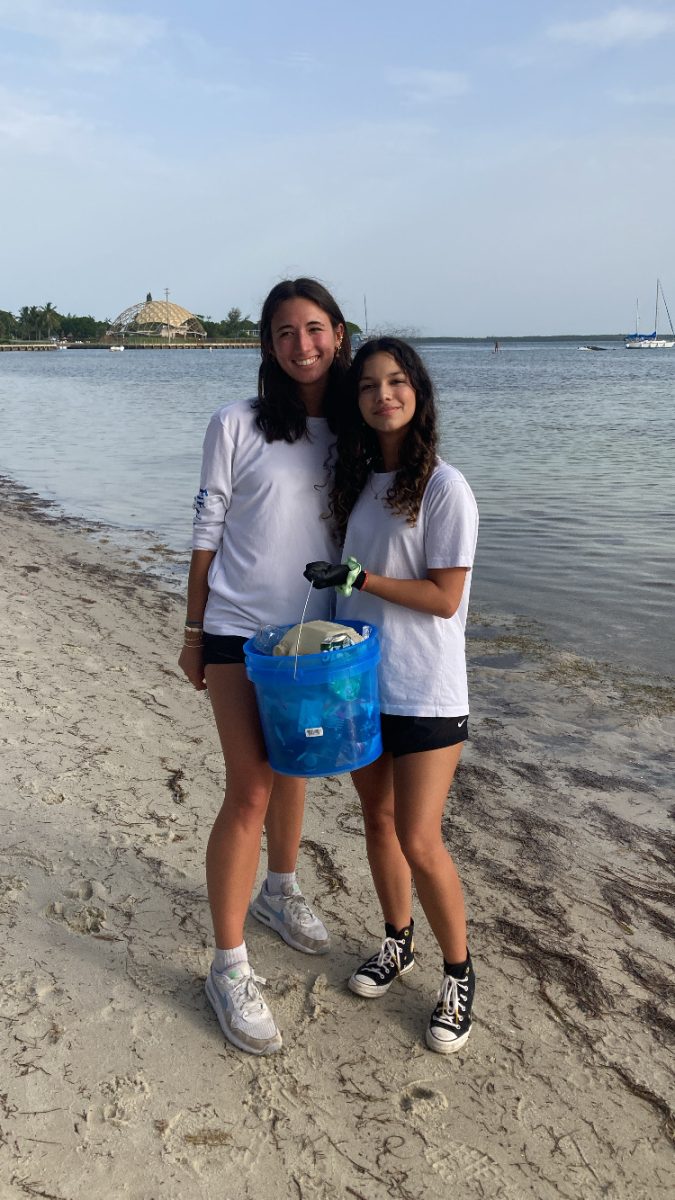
(50, 316)
(29, 321)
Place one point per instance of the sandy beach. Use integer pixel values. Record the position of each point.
(117, 1081)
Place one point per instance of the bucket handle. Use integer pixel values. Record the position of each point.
(302, 622)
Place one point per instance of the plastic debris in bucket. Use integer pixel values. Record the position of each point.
(320, 713)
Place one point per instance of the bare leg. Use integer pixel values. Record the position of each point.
(283, 823)
(421, 783)
(234, 845)
(388, 866)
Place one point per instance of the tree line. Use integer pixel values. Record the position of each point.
(43, 322)
(35, 323)
(233, 327)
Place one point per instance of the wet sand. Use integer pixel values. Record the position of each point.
(116, 1078)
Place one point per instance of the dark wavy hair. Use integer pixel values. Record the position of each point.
(280, 412)
(358, 448)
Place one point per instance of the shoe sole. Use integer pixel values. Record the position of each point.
(372, 991)
(270, 1047)
(278, 927)
(443, 1047)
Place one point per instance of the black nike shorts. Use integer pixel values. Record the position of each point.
(411, 735)
(223, 649)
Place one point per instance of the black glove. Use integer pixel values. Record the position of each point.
(325, 574)
(343, 576)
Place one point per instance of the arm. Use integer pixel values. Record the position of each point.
(439, 594)
(191, 659)
(450, 524)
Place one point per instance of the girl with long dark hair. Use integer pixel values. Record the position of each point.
(261, 496)
(409, 523)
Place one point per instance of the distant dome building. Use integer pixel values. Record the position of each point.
(157, 319)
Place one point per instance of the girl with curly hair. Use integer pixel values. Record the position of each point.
(262, 480)
(409, 522)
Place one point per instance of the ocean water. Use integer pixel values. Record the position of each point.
(570, 456)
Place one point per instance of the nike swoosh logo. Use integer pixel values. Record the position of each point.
(460, 723)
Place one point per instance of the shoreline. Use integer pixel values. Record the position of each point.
(561, 825)
(144, 550)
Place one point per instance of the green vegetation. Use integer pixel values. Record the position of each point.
(234, 327)
(43, 323)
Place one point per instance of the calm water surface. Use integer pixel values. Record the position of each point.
(570, 455)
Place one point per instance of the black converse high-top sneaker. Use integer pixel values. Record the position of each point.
(395, 957)
(450, 1023)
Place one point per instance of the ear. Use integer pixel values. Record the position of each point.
(339, 335)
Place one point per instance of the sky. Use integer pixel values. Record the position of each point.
(472, 170)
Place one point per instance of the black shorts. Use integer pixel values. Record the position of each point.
(411, 735)
(223, 649)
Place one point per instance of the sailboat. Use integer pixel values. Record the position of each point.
(651, 341)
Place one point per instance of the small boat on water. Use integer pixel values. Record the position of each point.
(120, 348)
(591, 347)
(651, 341)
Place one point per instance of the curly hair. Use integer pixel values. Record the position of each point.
(281, 415)
(358, 449)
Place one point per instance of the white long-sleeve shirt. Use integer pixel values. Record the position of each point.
(260, 508)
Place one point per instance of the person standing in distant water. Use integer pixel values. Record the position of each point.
(496, 348)
(260, 503)
(412, 520)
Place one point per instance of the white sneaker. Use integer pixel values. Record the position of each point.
(290, 916)
(244, 1017)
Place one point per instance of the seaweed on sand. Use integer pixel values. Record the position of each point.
(325, 867)
(550, 965)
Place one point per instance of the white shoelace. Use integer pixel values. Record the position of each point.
(246, 996)
(389, 955)
(299, 909)
(449, 1000)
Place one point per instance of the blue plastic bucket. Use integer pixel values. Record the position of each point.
(320, 714)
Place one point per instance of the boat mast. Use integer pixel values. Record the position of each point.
(365, 316)
(665, 304)
(656, 309)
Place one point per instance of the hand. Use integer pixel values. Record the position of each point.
(342, 576)
(191, 662)
(325, 574)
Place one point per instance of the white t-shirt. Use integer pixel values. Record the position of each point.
(423, 668)
(259, 507)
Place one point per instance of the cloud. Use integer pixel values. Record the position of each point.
(26, 125)
(649, 96)
(428, 87)
(615, 28)
(89, 39)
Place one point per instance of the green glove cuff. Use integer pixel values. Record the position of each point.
(355, 570)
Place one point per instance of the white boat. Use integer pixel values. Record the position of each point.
(651, 341)
(120, 348)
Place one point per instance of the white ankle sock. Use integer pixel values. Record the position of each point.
(222, 959)
(278, 882)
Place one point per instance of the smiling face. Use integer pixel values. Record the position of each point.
(387, 401)
(304, 343)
